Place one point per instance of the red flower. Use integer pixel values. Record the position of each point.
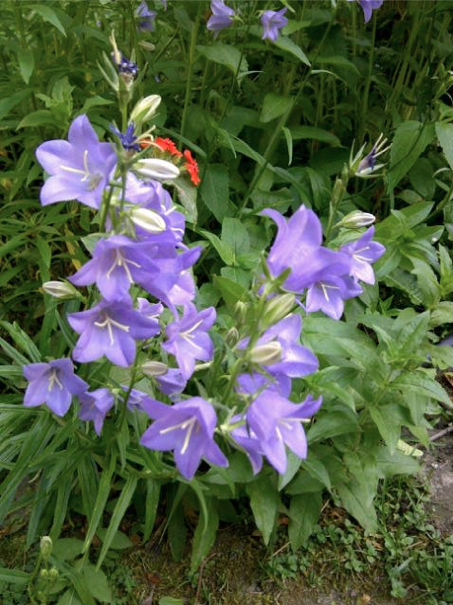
(168, 145)
(192, 168)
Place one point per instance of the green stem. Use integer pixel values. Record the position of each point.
(193, 42)
(366, 92)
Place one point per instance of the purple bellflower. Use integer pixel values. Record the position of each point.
(117, 263)
(297, 246)
(328, 294)
(274, 422)
(95, 406)
(79, 167)
(54, 384)
(364, 252)
(146, 17)
(110, 329)
(294, 359)
(221, 17)
(188, 338)
(369, 6)
(272, 22)
(187, 429)
(172, 382)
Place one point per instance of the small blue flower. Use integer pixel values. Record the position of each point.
(128, 139)
(272, 22)
(221, 17)
(146, 17)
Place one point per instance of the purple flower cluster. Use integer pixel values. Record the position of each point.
(222, 17)
(142, 248)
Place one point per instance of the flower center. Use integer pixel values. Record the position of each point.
(93, 179)
(110, 323)
(187, 425)
(53, 379)
(120, 261)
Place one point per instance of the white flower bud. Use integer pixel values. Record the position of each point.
(266, 354)
(148, 220)
(277, 308)
(145, 109)
(159, 170)
(46, 546)
(357, 219)
(154, 368)
(59, 289)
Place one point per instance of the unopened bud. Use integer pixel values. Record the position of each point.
(356, 219)
(53, 574)
(266, 354)
(155, 169)
(59, 289)
(45, 547)
(232, 336)
(240, 311)
(148, 220)
(43, 574)
(145, 109)
(277, 308)
(154, 368)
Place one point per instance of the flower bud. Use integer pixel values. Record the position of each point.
(53, 574)
(154, 368)
(266, 354)
(45, 547)
(277, 308)
(153, 168)
(356, 219)
(145, 109)
(240, 311)
(232, 336)
(148, 220)
(59, 289)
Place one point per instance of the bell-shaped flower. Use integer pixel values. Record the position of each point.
(328, 295)
(188, 338)
(272, 22)
(95, 406)
(171, 383)
(79, 167)
(53, 383)
(187, 429)
(221, 18)
(111, 329)
(297, 247)
(368, 6)
(294, 360)
(363, 252)
(273, 423)
(117, 263)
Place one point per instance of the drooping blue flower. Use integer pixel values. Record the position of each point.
(53, 383)
(172, 382)
(128, 138)
(187, 429)
(294, 360)
(188, 338)
(328, 294)
(298, 247)
(368, 7)
(273, 423)
(221, 17)
(146, 17)
(363, 252)
(79, 167)
(117, 263)
(95, 406)
(272, 22)
(110, 329)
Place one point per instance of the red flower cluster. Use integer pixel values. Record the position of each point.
(169, 146)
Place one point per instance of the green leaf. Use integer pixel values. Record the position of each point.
(67, 549)
(444, 132)
(95, 101)
(49, 15)
(102, 495)
(274, 106)
(357, 502)
(187, 195)
(7, 104)
(291, 47)
(264, 502)
(69, 598)
(420, 383)
(317, 470)
(26, 60)
(97, 583)
(151, 504)
(294, 463)
(226, 55)
(121, 507)
(231, 292)
(171, 601)
(332, 424)
(37, 118)
(315, 133)
(410, 141)
(120, 540)
(14, 576)
(234, 233)
(205, 534)
(304, 512)
(215, 190)
(388, 427)
(224, 249)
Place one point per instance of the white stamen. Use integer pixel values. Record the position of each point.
(108, 323)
